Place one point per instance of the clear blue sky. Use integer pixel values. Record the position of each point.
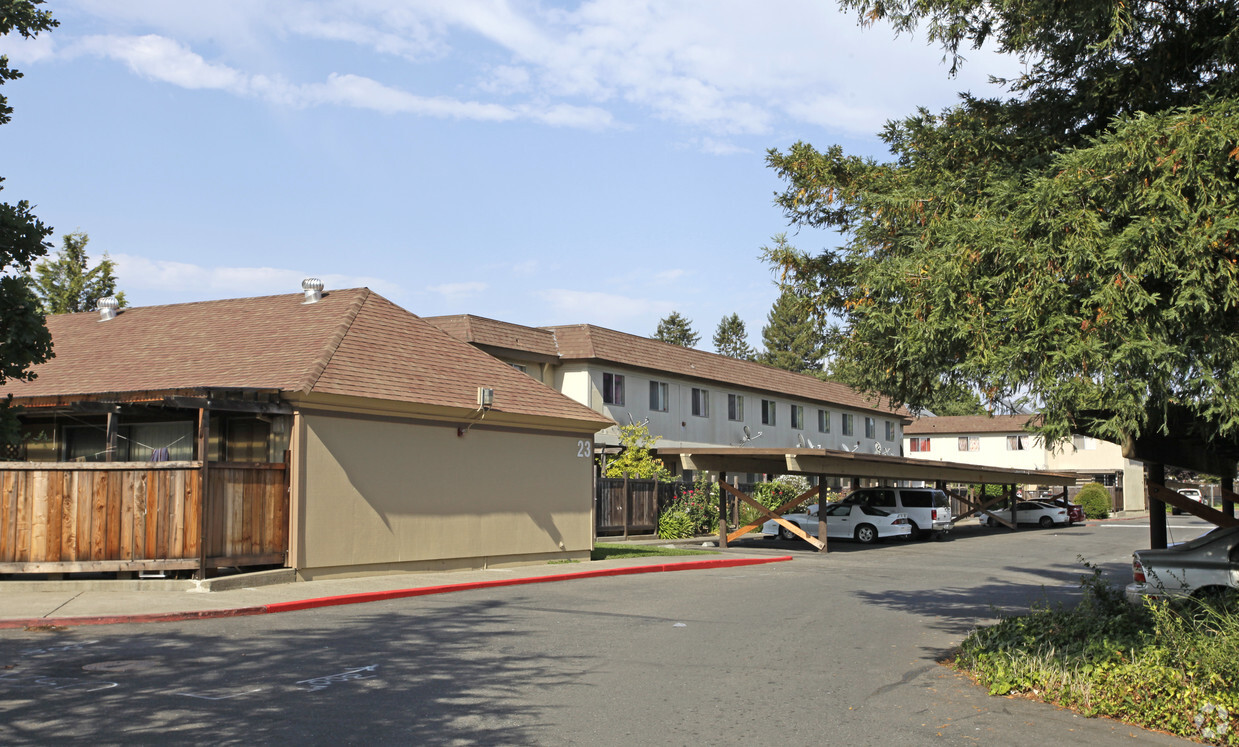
(542, 163)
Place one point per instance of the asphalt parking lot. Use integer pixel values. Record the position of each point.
(839, 648)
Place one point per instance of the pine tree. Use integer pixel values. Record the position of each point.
(64, 285)
(791, 339)
(677, 330)
(731, 338)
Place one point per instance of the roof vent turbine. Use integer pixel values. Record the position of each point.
(313, 288)
(107, 308)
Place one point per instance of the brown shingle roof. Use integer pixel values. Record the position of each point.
(482, 331)
(965, 424)
(585, 341)
(352, 342)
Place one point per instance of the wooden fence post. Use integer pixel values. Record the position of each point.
(204, 453)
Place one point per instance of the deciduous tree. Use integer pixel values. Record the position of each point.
(24, 340)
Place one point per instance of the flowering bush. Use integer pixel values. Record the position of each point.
(700, 504)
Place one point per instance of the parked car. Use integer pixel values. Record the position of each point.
(1031, 512)
(1205, 566)
(1192, 493)
(1075, 512)
(844, 521)
(928, 510)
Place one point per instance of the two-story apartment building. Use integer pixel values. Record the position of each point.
(688, 397)
(1001, 441)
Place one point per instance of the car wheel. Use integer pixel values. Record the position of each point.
(916, 531)
(866, 534)
(1045, 522)
(786, 533)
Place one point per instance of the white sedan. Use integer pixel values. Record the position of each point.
(844, 521)
(1031, 512)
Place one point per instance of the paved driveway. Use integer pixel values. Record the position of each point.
(827, 649)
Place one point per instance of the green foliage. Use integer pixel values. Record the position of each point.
(1076, 242)
(1094, 499)
(65, 285)
(24, 340)
(699, 504)
(635, 460)
(1167, 667)
(675, 524)
(731, 338)
(677, 330)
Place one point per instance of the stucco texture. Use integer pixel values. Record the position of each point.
(378, 494)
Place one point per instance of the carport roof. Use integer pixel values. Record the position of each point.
(851, 464)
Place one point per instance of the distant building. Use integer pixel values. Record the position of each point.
(1001, 441)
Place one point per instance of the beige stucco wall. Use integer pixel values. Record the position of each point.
(382, 495)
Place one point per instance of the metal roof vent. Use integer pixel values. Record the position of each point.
(313, 288)
(107, 308)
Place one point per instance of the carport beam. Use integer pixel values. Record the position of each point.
(722, 510)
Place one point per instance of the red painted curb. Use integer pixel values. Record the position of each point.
(377, 596)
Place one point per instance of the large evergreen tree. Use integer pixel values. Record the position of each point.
(24, 340)
(677, 330)
(732, 339)
(792, 339)
(1077, 241)
(64, 283)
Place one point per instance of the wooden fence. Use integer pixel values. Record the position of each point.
(70, 517)
(624, 507)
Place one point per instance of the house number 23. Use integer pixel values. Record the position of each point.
(583, 449)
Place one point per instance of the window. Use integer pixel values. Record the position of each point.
(890, 430)
(1084, 443)
(823, 421)
(612, 389)
(519, 367)
(735, 407)
(848, 427)
(797, 416)
(918, 443)
(658, 396)
(701, 402)
(1017, 443)
(767, 412)
(870, 428)
(969, 443)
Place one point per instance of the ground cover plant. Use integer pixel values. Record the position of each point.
(1167, 667)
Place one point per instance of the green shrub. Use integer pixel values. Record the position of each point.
(1095, 500)
(700, 503)
(1164, 666)
(675, 525)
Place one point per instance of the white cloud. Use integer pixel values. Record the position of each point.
(719, 68)
(457, 291)
(140, 276)
(668, 276)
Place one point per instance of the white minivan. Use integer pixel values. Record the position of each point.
(928, 509)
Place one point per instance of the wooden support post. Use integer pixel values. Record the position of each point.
(624, 506)
(1155, 474)
(1009, 489)
(112, 430)
(1228, 491)
(722, 510)
(821, 515)
(204, 503)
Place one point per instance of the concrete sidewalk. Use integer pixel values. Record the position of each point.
(26, 604)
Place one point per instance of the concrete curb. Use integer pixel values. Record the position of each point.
(378, 596)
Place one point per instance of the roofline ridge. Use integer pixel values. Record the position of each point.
(306, 385)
